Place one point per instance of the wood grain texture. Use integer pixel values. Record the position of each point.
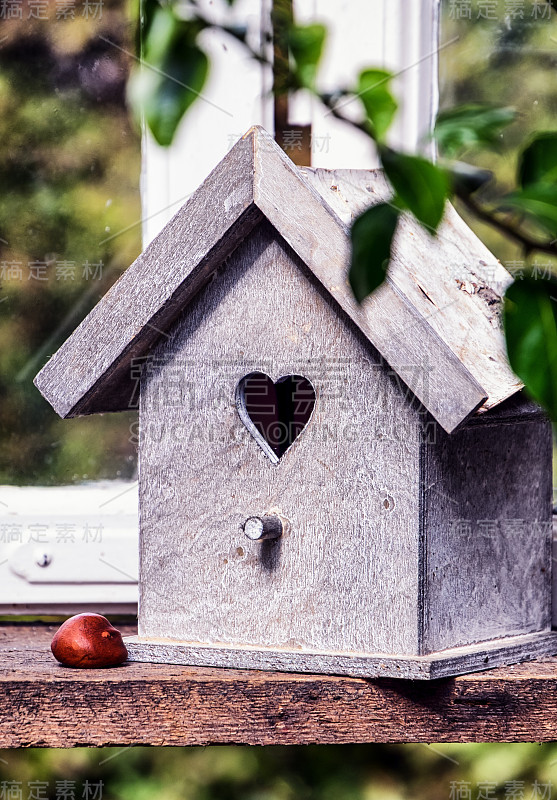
(389, 319)
(414, 327)
(94, 370)
(350, 573)
(454, 661)
(47, 705)
(344, 576)
(452, 280)
(486, 518)
(372, 561)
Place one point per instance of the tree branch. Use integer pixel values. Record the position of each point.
(527, 242)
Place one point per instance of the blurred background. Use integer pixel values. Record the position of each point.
(70, 223)
(503, 53)
(331, 772)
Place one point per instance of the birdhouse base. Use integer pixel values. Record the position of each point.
(443, 664)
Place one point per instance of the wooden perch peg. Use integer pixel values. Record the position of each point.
(268, 526)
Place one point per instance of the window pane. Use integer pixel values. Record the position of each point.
(502, 52)
(69, 221)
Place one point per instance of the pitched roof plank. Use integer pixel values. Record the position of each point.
(92, 371)
(404, 338)
(452, 280)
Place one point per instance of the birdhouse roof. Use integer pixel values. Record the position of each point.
(435, 320)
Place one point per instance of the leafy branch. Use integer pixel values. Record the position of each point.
(505, 227)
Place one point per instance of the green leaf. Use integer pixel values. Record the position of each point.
(146, 10)
(171, 76)
(470, 125)
(538, 202)
(538, 162)
(420, 186)
(466, 178)
(163, 28)
(379, 104)
(530, 320)
(372, 235)
(306, 45)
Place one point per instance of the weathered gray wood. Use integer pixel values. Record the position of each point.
(452, 280)
(486, 521)
(358, 568)
(365, 565)
(455, 661)
(403, 337)
(94, 370)
(516, 408)
(47, 705)
(345, 574)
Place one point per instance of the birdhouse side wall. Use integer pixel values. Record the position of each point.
(344, 575)
(487, 519)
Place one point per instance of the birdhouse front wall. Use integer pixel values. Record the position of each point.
(344, 576)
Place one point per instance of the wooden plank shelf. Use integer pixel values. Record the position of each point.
(46, 705)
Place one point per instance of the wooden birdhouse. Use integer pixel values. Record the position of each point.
(324, 487)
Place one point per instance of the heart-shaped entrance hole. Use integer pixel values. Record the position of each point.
(275, 413)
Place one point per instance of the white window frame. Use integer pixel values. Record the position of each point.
(400, 35)
(73, 548)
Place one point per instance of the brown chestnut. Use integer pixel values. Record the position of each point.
(88, 641)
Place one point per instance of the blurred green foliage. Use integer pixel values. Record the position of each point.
(333, 772)
(69, 171)
(511, 61)
(172, 71)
